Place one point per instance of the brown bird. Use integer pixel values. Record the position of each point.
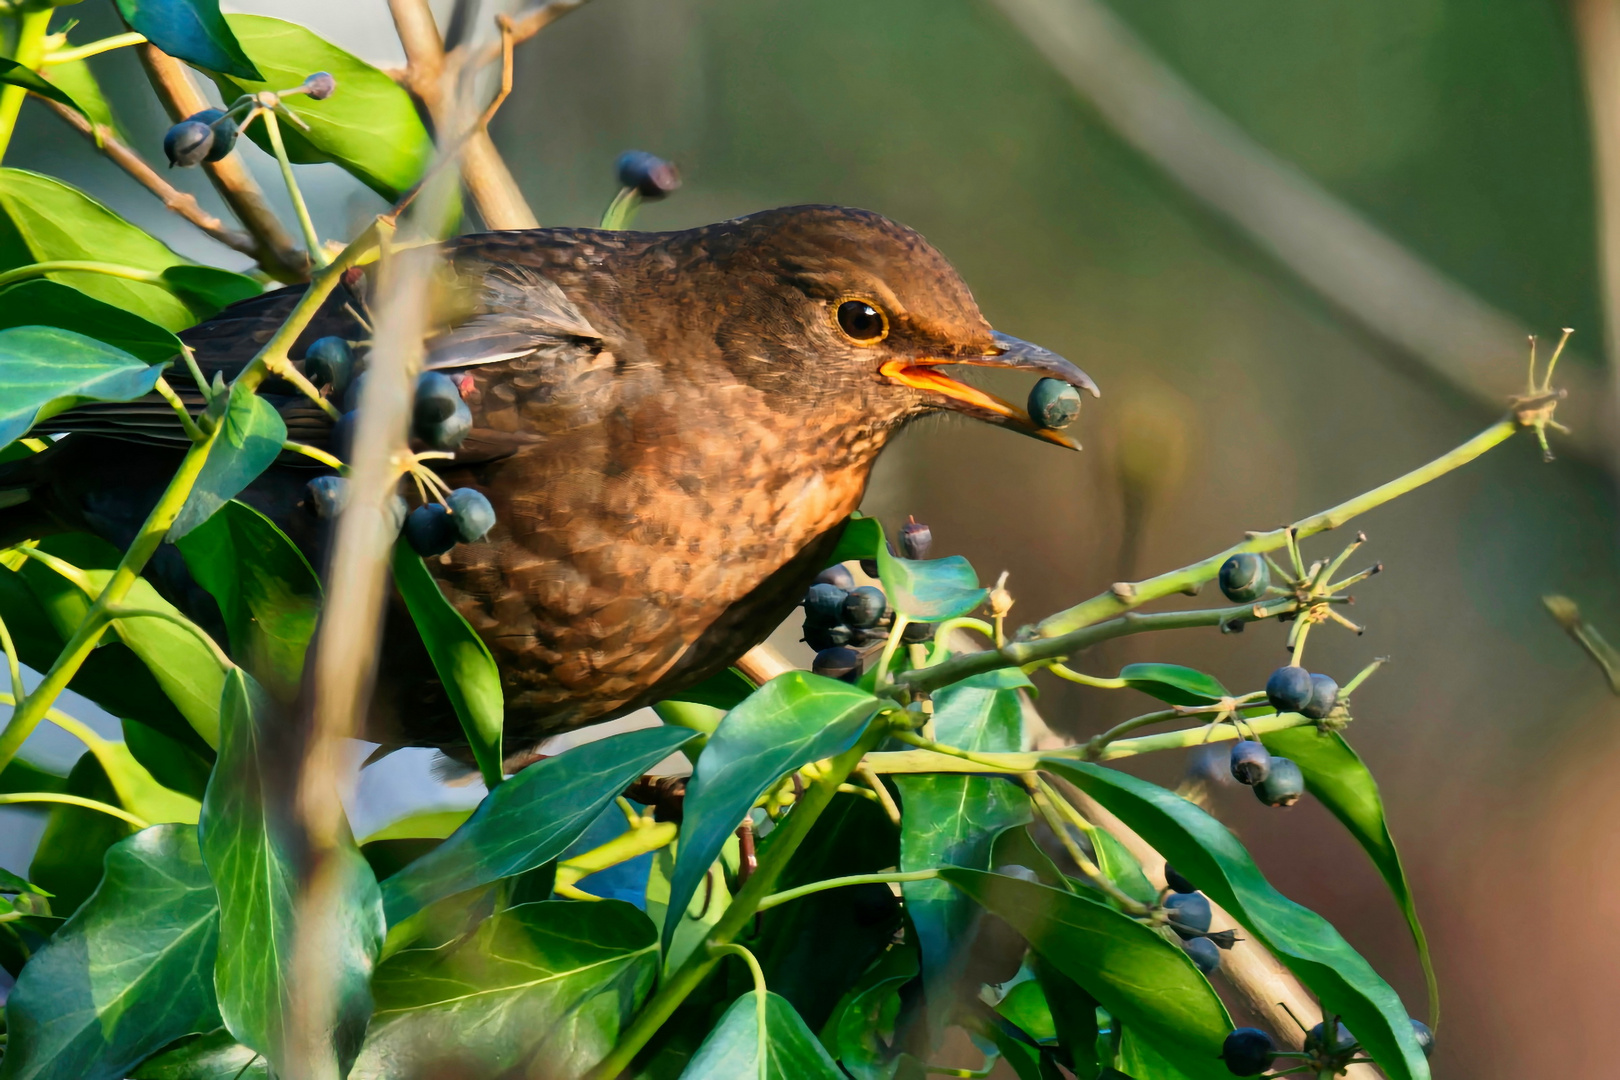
(672, 428)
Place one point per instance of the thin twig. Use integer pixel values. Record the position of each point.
(181, 202)
(277, 254)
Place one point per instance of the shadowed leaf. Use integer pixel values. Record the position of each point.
(67, 862)
(42, 302)
(794, 719)
(130, 972)
(214, 1056)
(733, 1047)
(190, 30)
(18, 75)
(1173, 683)
(248, 440)
(45, 370)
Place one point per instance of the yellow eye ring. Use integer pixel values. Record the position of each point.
(862, 321)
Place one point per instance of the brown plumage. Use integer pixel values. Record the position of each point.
(671, 426)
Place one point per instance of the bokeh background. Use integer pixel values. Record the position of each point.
(1238, 392)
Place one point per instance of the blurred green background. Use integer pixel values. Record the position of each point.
(1235, 397)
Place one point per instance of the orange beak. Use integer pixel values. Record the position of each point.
(922, 373)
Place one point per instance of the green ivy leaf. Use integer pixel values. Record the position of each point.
(187, 671)
(129, 973)
(42, 302)
(733, 1047)
(112, 676)
(862, 1027)
(1174, 684)
(462, 660)
(67, 862)
(266, 590)
(1336, 775)
(27, 78)
(1025, 1006)
(75, 79)
(369, 126)
(45, 220)
(949, 819)
(191, 30)
(1142, 1062)
(537, 989)
(723, 691)
(214, 1056)
(208, 289)
(530, 819)
(1307, 944)
(862, 538)
(928, 590)
(246, 832)
(137, 790)
(45, 370)
(171, 763)
(248, 440)
(794, 719)
(23, 775)
(1074, 1015)
(1131, 970)
(11, 883)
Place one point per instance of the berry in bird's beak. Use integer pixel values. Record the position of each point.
(1053, 403)
(922, 373)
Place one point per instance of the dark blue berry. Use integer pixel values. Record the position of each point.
(1204, 953)
(1245, 578)
(472, 514)
(1191, 910)
(1053, 403)
(824, 605)
(1248, 1052)
(1251, 762)
(343, 434)
(1173, 878)
(330, 362)
(1425, 1037)
(1283, 785)
(1324, 695)
(864, 607)
(430, 531)
(320, 85)
(188, 143)
(916, 633)
(224, 128)
(837, 574)
(451, 432)
(648, 173)
(827, 637)
(357, 388)
(1344, 1041)
(328, 495)
(838, 663)
(1289, 689)
(916, 540)
(436, 398)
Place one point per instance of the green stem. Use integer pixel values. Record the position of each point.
(73, 800)
(786, 895)
(17, 691)
(166, 392)
(889, 647)
(93, 48)
(311, 241)
(1126, 596)
(315, 454)
(740, 913)
(57, 266)
(1020, 653)
(630, 844)
(118, 611)
(762, 1037)
(30, 50)
(622, 210)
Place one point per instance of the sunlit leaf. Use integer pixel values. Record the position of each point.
(45, 370)
(266, 590)
(248, 441)
(191, 30)
(1131, 970)
(247, 833)
(27, 78)
(530, 819)
(76, 80)
(171, 763)
(369, 125)
(208, 289)
(42, 302)
(539, 989)
(1307, 944)
(723, 691)
(463, 662)
(733, 1047)
(1335, 774)
(67, 862)
(131, 972)
(794, 719)
(45, 220)
(213, 1056)
(1174, 684)
(137, 790)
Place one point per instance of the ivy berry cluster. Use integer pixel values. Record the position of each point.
(845, 622)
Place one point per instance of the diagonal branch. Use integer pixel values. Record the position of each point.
(274, 248)
(183, 203)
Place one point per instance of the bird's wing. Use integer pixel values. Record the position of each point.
(520, 312)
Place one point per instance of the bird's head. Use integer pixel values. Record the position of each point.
(826, 306)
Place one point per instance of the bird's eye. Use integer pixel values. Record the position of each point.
(862, 322)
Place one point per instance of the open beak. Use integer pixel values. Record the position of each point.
(924, 374)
